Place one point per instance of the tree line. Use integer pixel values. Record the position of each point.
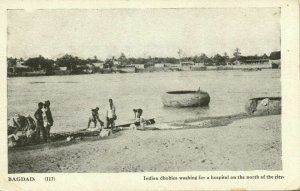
(77, 65)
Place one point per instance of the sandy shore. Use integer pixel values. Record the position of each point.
(245, 144)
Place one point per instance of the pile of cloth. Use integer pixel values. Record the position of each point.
(20, 130)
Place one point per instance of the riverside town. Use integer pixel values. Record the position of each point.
(68, 64)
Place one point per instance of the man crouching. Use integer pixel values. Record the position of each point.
(139, 122)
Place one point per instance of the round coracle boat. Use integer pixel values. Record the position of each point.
(263, 106)
(186, 99)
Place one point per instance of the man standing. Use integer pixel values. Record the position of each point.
(40, 123)
(111, 115)
(49, 118)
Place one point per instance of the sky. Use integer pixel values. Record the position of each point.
(142, 32)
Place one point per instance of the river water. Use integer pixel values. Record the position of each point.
(72, 97)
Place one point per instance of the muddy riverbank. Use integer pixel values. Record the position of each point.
(237, 143)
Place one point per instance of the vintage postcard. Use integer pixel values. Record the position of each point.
(150, 95)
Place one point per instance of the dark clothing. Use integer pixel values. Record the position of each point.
(94, 118)
(95, 115)
(38, 115)
(49, 116)
(110, 123)
(50, 121)
(40, 125)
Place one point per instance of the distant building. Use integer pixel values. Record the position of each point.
(166, 64)
(149, 65)
(176, 65)
(116, 62)
(199, 65)
(63, 68)
(87, 71)
(255, 61)
(275, 59)
(99, 64)
(187, 63)
(236, 62)
(139, 66)
(90, 66)
(18, 69)
(159, 65)
(62, 71)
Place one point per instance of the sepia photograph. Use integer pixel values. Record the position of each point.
(144, 90)
(149, 95)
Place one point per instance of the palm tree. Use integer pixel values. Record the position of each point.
(237, 53)
(179, 54)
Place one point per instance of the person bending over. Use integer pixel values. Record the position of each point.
(94, 118)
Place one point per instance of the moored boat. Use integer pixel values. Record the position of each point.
(263, 106)
(186, 99)
(24, 138)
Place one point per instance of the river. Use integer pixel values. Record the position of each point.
(72, 97)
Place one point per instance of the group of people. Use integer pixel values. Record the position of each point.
(111, 116)
(33, 128)
(44, 121)
(40, 127)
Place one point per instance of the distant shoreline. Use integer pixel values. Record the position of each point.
(246, 68)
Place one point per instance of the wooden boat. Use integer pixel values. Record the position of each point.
(148, 122)
(263, 106)
(275, 65)
(186, 99)
(89, 133)
(275, 59)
